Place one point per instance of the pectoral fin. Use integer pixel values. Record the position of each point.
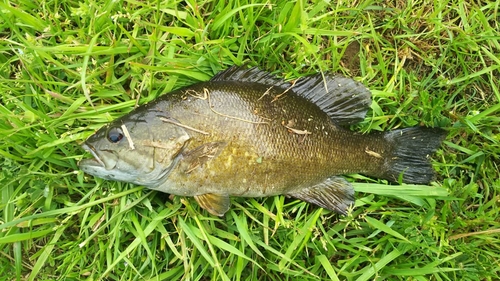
(215, 204)
(334, 194)
(201, 155)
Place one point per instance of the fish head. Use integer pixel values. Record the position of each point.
(136, 149)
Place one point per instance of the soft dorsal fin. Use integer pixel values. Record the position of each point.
(345, 100)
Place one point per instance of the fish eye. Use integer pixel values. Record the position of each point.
(115, 135)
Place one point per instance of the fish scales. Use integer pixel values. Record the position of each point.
(288, 160)
(246, 133)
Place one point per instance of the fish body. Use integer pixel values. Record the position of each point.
(247, 133)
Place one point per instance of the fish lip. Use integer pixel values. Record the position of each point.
(92, 151)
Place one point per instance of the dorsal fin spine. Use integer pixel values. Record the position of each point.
(345, 100)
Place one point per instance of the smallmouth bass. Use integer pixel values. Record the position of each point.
(247, 133)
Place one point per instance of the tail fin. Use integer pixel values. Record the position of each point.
(412, 148)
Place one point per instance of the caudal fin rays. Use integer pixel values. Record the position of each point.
(411, 150)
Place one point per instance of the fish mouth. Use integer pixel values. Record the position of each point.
(92, 151)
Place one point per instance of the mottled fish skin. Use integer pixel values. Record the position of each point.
(246, 133)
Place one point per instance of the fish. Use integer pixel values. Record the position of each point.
(248, 133)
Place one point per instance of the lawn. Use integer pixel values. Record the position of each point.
(69, 67)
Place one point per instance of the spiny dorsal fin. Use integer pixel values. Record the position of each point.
(254, 74)
(334, 194)
(345, 100)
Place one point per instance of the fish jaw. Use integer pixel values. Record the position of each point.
(105, 164)
(100, 165)
(89, 162)
(93, 167)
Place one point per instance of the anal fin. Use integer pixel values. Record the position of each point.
(334, 194)
(215, 204)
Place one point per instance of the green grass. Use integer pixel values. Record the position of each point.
(68, 67)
